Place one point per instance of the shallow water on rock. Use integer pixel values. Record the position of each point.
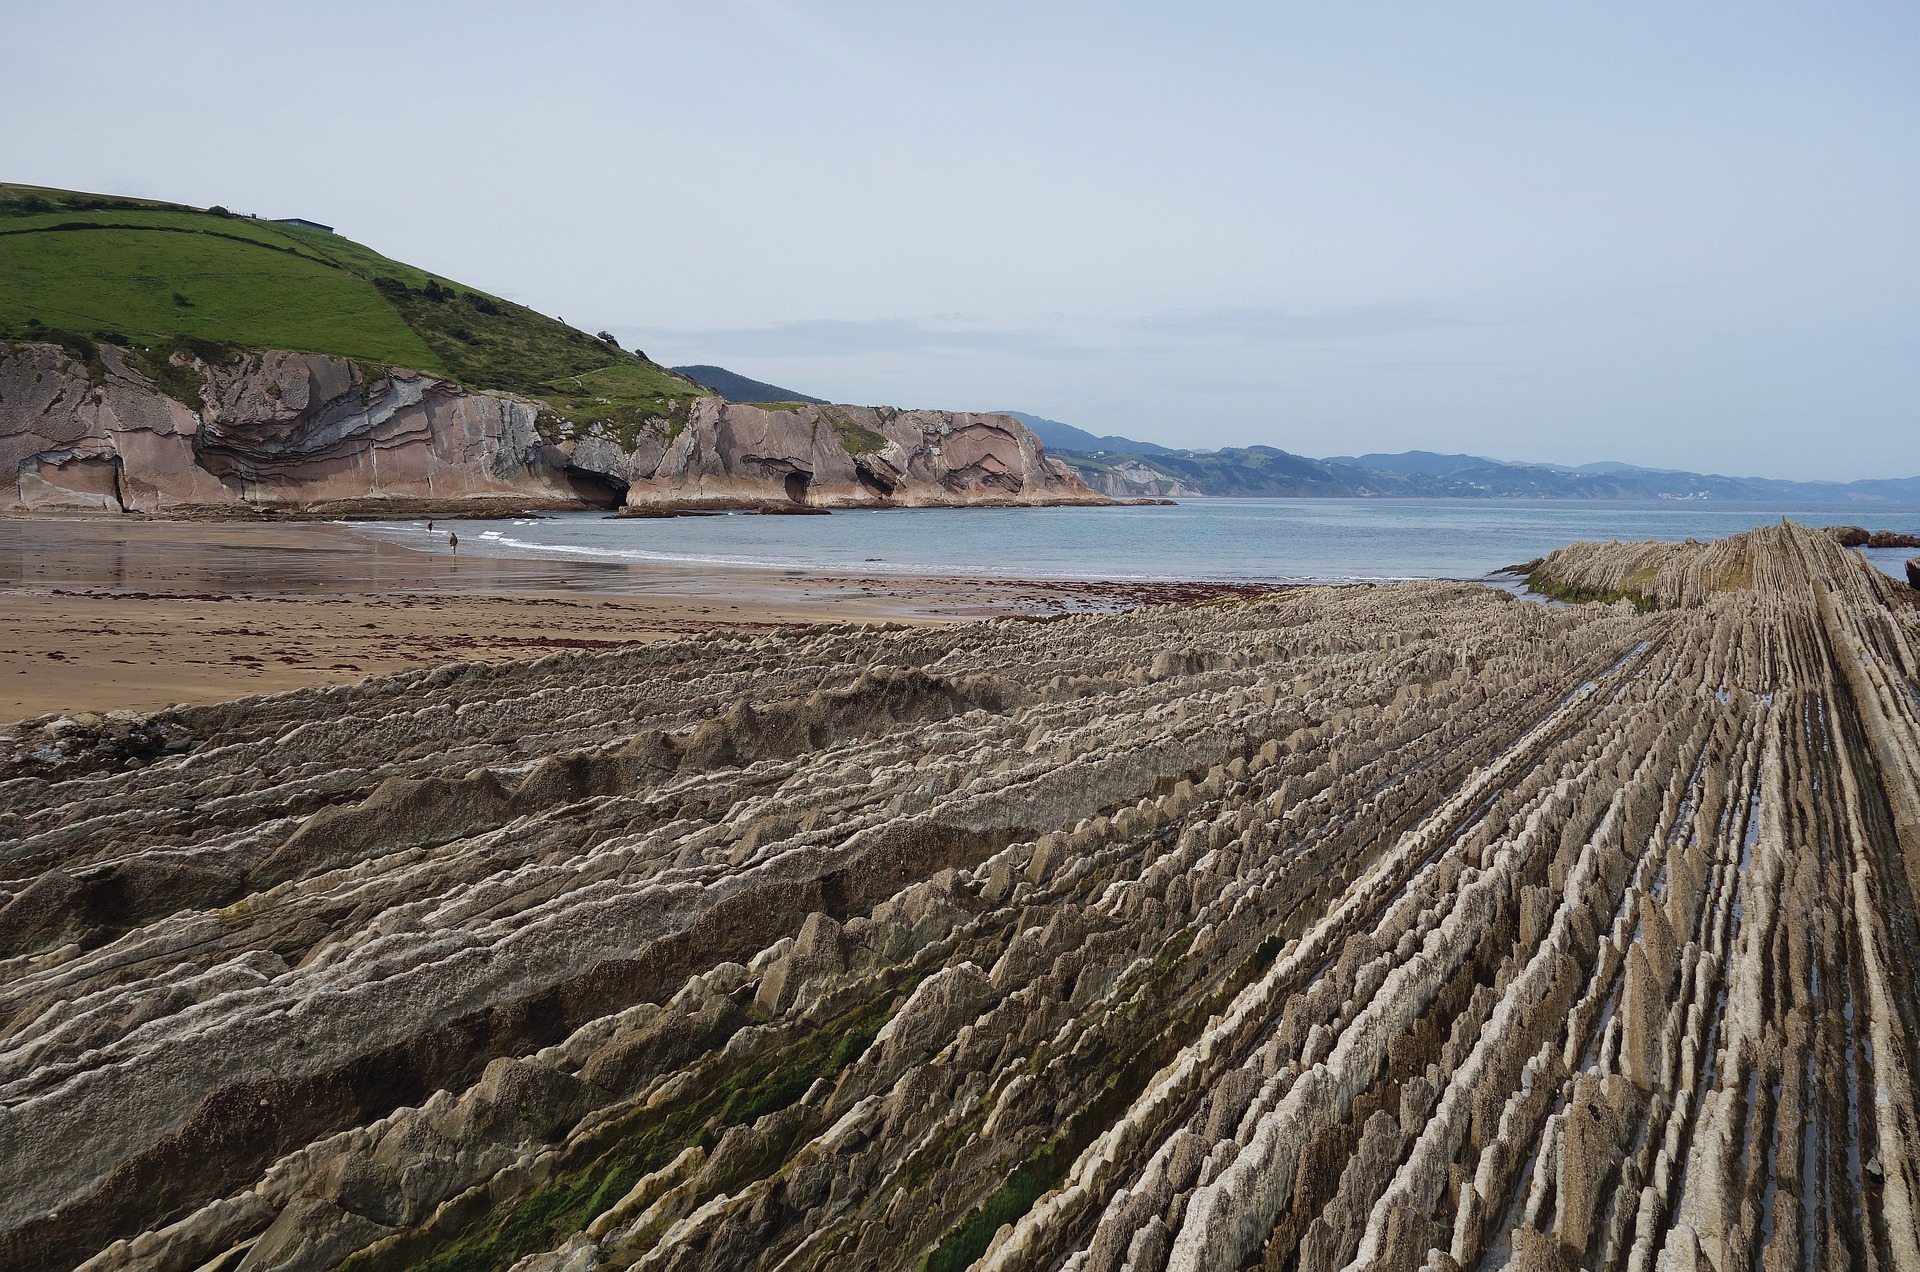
(1225, 539)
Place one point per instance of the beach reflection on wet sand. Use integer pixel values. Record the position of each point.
(98, 614)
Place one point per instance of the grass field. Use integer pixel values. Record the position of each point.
(150, 284)
(147, 273)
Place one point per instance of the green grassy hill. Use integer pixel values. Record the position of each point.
(156, 277)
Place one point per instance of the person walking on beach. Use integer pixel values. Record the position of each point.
(453, 541)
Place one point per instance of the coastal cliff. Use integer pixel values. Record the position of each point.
(105, 429)
(268, 429)
(1130, 478)
(730, 454)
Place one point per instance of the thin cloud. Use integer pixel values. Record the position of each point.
(812, 40)
(1264, 326)
(840, 338)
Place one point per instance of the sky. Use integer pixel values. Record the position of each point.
(1675, 235)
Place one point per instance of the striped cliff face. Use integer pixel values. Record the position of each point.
(306, 432)
(733, 454)
(274, 429)
(1388, 927)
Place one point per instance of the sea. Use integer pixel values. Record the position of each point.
(1214, 540)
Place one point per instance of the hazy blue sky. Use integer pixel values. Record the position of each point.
(1674, 234)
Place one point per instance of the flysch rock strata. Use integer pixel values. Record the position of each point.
(1408, 927)
(732, 455)
(282, 431)
(267, 430)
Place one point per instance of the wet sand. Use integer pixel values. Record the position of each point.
(100, 614)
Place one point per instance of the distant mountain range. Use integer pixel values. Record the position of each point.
(1264, 470)
(1420, 463)
(738, 388)
(1125, 468)
(1056, 436)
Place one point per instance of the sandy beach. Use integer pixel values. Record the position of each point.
(101, 614)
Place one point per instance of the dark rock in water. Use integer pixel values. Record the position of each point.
(1913, 572)
(1860, 537)
(667, 512)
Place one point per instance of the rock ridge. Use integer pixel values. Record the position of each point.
(310, 433)
(1379, 928)
(731, 455)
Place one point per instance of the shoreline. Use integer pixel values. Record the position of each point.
(500, 507)
(103, 614)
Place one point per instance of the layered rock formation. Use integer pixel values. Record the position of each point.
(1130, 478)
(730, 454)
(303, 431)
(1395, 927)
(1861, 537)
(273, 429)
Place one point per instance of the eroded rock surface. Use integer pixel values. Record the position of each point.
(1400, 927)
(282, 430)
(1860, 537)
(286, 429)
(732, 454)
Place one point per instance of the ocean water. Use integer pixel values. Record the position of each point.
(1259, 540)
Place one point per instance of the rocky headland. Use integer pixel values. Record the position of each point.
(289, 432)
(731, 454)
(1397, 927)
